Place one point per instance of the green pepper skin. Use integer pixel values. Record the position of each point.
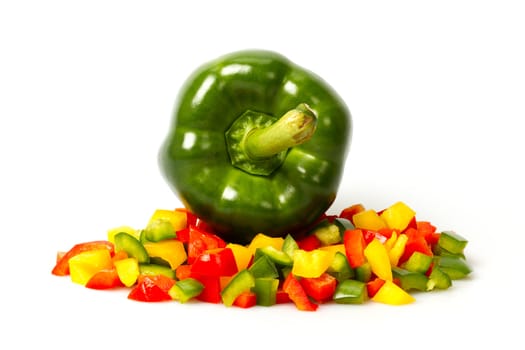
(195, 162)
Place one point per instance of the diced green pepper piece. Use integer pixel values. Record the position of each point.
(154, 269)
(266, 290)
(363, 272)
(452, 242)
(438, 250)
(418, 262)
(158, 230)
(455, 267)
(327, 233)
(132, 246)
(277, 256)
(438, 279)
(350, 292)
(340, 268)
(243, 281)
(410, 279)
(332, 232)
(289, 245)
(186, 289)
(264, 267)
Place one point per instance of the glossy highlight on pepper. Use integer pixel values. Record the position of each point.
(235, 156)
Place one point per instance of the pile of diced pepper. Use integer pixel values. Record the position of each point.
(351, 258)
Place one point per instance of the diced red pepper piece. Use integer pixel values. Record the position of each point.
(245, 300)
(354, 247)
(281, 297)
(309, 243)
(183, 235)
(415, 243)
(373, 286)
(212, 288)
(183, 272)
(385, 232)
(105, 279)
(349, 212)
(412, 224)
(152, 288)
(321, 288)
(191, 219)
(200, 241)
(297, 294)
(218, 262)
(369, 235)
(61, 267)
(428, 231)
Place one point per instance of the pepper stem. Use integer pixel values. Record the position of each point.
(293, 128)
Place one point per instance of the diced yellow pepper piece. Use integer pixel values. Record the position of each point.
(128, 271)
(391, 241)
(261, 240)
(398, 216)
(312, 263)
(84, 265)
(170, 250)
(391, 294)
(127, 229)
(377, 255)
(368, 219)
(334, 248)
(177, 218)
(398, 249)
(243, 255)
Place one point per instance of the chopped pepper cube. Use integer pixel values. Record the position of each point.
(350, 292)
(132, 246)
(321, 288)
(128, 271)
(185, 289)
(158, 230)
(376, 254)
(340, 268)
(86, 264)
(418, 262)
(312, 263)
(170, 250)
(455, 267)
(409, 279)
(398, 216)
(452, 242)
(177, 218)
(297, 294)
(263, 266)
(369, 219)
(266, 290)
(277, 256)
(391, 294)
(438, 279)
(242, 282)
(354, 247)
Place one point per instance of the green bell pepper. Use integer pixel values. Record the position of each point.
(257, 144)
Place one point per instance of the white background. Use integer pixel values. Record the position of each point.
(436, 91)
